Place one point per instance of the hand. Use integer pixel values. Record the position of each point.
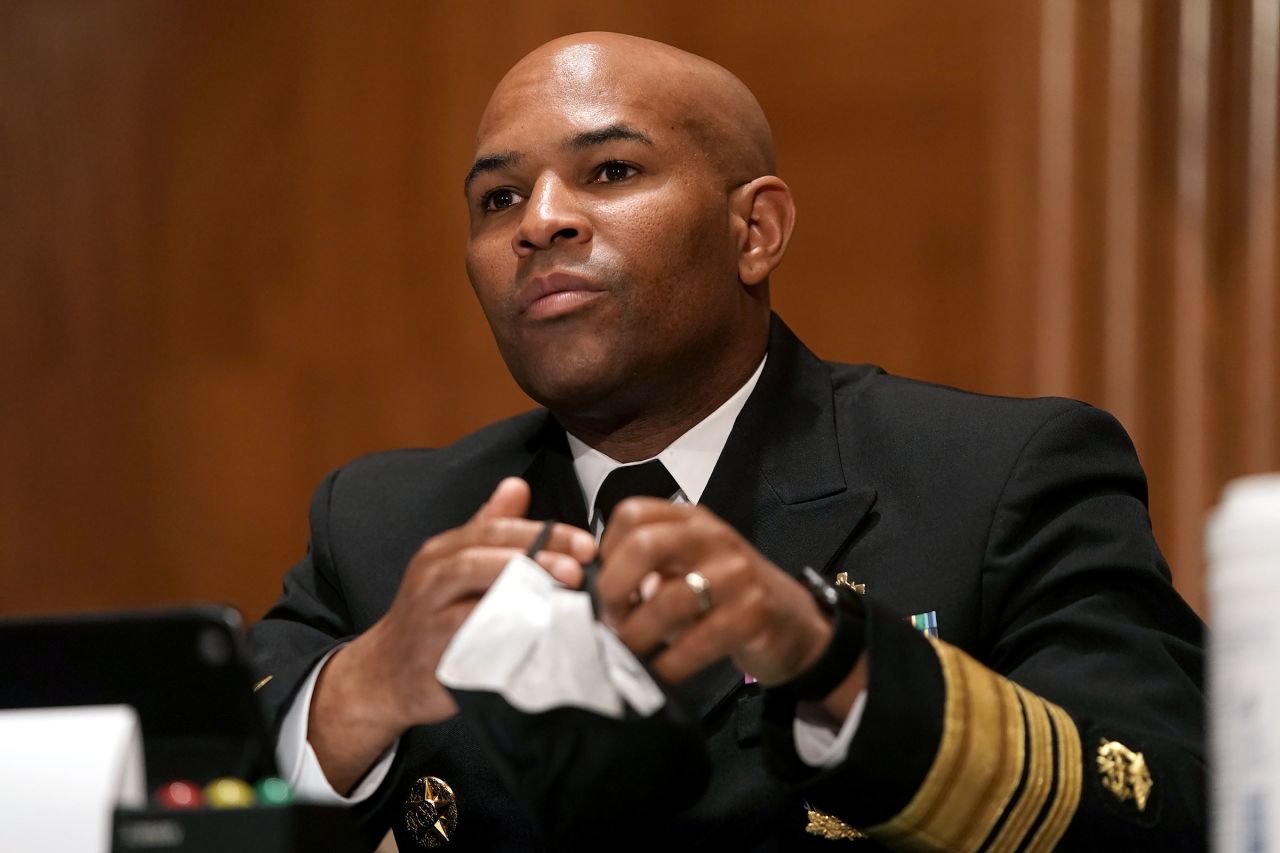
(443, 583)
(384, 681)
(760, 617)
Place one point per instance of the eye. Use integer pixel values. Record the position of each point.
(499, 199)
(614, 171)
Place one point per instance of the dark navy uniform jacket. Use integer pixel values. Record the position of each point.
(1061, 703)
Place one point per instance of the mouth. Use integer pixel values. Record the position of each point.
(555, 295)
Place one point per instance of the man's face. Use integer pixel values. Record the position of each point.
(600, 244)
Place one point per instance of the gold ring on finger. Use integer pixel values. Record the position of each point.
(700, 587)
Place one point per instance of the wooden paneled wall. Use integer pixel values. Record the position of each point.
(231, 244)
(1147, 192)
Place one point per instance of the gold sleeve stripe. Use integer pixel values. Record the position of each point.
(1039, 776)
(1070, 773)
(1006, 758)
(979, 762)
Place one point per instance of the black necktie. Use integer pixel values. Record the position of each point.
(650, 479)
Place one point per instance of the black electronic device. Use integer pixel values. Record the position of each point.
(184, 669)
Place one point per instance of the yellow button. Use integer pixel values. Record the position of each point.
(228, 793)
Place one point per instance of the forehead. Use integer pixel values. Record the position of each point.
(550, 98)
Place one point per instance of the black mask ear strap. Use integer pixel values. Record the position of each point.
(589, 572)
(541, 539)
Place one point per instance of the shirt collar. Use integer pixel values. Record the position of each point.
(690, 458)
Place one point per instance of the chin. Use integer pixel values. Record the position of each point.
(572, 388)
(562, 369)
(577, 396)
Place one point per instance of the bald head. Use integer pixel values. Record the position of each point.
(706, 101)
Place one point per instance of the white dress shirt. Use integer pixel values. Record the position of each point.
(690, 459)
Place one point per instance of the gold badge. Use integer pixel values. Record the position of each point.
(1124, 773)
(263, 683)
(830, 827)
(431, 812)
(842, 579)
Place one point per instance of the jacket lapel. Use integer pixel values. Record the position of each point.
(555, 492)
(781, 482)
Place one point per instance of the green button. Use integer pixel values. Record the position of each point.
(273, 791)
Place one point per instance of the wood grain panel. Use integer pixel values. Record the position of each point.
(1261, 434)
(231, 244)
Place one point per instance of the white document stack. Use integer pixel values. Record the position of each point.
(1242, 542)
(62, 773)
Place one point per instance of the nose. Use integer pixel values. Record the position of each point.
(552, 214)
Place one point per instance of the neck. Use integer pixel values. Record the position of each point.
(652, 426)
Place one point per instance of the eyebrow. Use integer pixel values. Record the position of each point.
(490, 163)
(577, 142)
(612, 133)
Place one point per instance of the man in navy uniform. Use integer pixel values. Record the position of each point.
(1014, 670)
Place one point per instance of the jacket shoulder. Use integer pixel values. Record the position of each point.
(929, 438)
(492, 443)
(928, 409)
(462, 474)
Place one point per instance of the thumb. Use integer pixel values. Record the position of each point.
(509, 500)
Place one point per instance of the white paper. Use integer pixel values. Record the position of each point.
(62, 773)
(1243, 547)
(538, 644)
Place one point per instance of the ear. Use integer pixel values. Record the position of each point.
(764, 215)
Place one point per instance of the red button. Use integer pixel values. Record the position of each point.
(179, 795)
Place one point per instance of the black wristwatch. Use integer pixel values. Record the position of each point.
(848, 639)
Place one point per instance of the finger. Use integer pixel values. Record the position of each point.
(670, 548)
(573, 542)
(523, 533)
(563, 568)
(638, 511)
(511, 533)
(510, 499)
(703, 643)
(770, 626)
(672, 608)
(467, 574)
(729, 575)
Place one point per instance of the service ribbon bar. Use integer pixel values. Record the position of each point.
(925, 623)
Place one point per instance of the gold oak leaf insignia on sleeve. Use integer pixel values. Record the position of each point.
(1007, 774)
(1124, 773)
(830, 827)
